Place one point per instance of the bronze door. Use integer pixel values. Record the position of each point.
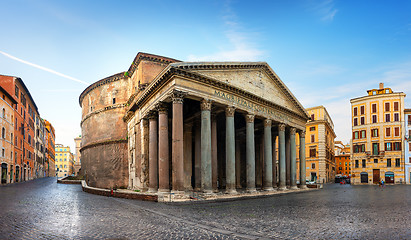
(376, 176)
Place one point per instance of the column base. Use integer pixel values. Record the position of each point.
(303, 186)
(163, 190)
(283, 188)
(208, 193)
(231, 191)
(152, 190)
(251, 190)
(269, 189)
(293, 188)
(215, 191)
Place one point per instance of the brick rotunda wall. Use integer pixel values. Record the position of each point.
(104, 133)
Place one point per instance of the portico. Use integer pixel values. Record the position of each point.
(215, 127)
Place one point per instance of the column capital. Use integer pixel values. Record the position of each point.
(293, 130)
(152, 114)
(267, 122)
(178, 96)
(229, 111)
(205, 105)
(249, 118)
(301, 133)
(162, 108)
(281, 127)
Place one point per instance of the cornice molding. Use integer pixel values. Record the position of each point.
(122, 105)
(95, 144)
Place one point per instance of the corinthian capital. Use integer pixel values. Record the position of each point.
(229, 111)
(293, 131)
(249, 118)
(281, 127)
(205, 105)
(267, 123)
(178, 96)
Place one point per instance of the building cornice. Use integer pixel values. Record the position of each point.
(148, 57)
(369, 97)
(121, 105)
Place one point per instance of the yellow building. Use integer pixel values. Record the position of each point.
(377, 137)
(64, 161)
(319, 142)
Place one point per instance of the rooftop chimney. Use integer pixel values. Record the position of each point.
(381, 85)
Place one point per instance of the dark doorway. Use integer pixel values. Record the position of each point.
(3, 173)
(376, 176)
(389, 177)
(364, 177)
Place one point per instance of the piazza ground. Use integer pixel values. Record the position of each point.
(43, 209)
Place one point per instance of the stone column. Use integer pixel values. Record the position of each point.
(163, 149)
(153, 153)
(144, 154)
(214, 170)
(274, 162)
(197, 157)
(302, 160)
(206, 174)
(293, 174)
(230, 150)
(250, 153)
(287, 157)
(268, 157)
(177, 142)
(237, 163)
(188, 155)
(281, 148)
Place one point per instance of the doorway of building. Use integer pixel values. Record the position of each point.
(389, 177)
(364, 177)
(313, 177)
(3, 173)
(376, 176)
(17, 174)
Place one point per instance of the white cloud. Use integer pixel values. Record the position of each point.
(242, 48)
(325, 9)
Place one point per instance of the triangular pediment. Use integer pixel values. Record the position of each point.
(256, 78)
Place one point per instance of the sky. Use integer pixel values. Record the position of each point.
(326, 51)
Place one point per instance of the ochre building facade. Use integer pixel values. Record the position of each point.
(378, 137)
(166, 125)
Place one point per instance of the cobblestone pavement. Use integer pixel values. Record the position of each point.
(43, 209)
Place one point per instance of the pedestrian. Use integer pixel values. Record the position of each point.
(382, 183)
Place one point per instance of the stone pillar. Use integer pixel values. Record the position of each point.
(163, 149)
(177, 142)
(153, 153)
(197, 157)
(206, 174)
(274, 162)
(281, 148)
(230, 150)
(250, 153)
(293, 174)
(268, 157)
(302, 160)
(214, 157)
(188, 155)
(237, 162)
(144, 154)
(287, 157)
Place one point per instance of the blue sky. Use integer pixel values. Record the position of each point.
(325, 51)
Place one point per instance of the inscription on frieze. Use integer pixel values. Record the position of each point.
(247, 104)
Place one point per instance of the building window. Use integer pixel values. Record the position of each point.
(355, 121)
(388, 132)
(387, 106)
(388, 162)
(397, 146)
(312, 138)
(363, 134)
(312, 117)
(387, 117)
(364, 163)
(114, 100)
(388, 146)
(3, 133)
(4, 113)
(409, 119)
(395, 106)
(374, 132)
(396, 131)
(362, 110)
(362, 120)
(409, 159)
(312, 152)
(397, 162)
(374, 118)
(355, 135)
(356, 163)
(313, 165)
(396, 117)
(375, 149)
(312, 128)
(16, 91)
(374, 108)
(355, 111)
(375, 160)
